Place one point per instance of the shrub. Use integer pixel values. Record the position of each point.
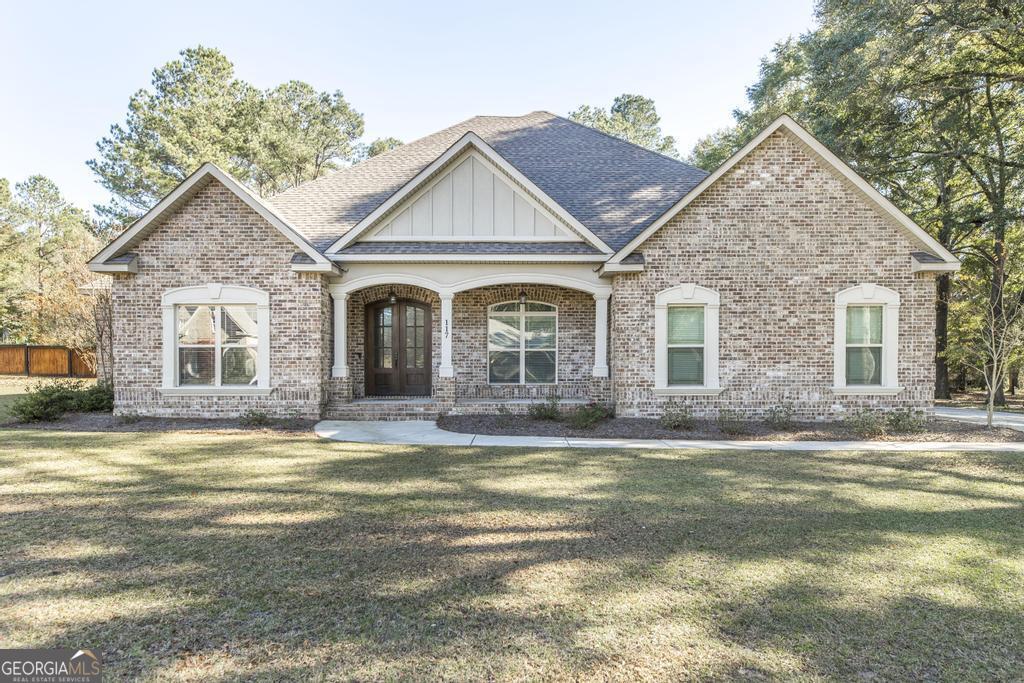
(731, 422)
(99, 398)
(588, 415)
(254, 418)
(677, 417)
(867, 424)
(780, 416)
(905, 422)
(548, 410)
(48, 401)
(504, 415)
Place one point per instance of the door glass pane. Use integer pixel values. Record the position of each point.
(195, 366)
(503, 367)
(686, 325)
(382, 338)
(686, 366)
(238, 366)
(540, 367)
(238, 325)
(195, 324)
(414, 337)
(540, 332)
(864, 325)
(503, 331)
(864, 365)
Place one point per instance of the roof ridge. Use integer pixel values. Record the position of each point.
(628, 142)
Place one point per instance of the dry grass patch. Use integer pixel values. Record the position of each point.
(234, 555)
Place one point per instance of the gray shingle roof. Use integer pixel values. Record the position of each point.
(925, 257)
(555, 248)
(612, 187)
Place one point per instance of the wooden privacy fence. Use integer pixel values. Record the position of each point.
(45, 361)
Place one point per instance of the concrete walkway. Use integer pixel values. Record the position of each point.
(999, 419)
(427, 433)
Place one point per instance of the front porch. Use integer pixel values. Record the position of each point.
(411, 348)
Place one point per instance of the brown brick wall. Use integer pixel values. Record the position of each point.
(778, 236)
(215, 237)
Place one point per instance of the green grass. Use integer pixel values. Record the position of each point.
(233, 555)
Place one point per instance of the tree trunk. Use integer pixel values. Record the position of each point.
(1014, 378)
(943, 286)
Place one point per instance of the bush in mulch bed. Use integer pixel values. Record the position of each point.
(48, 401)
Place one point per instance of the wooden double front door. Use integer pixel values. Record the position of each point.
(398, 349)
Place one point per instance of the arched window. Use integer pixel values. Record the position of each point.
(686, 340)
(522, 343)
(866, 340)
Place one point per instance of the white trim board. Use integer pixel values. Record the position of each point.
(141, 227)
(468, 141)
(826, 155)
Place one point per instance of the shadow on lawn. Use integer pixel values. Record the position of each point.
(298, 559)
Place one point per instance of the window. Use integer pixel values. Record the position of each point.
(866, 340)
(686, 340)
(686, 345)
(216, 340)
(217, 345)
(522, 343)
(864, 345)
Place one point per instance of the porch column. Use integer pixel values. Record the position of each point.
(601, 335)
(340, 367)
(446, 369)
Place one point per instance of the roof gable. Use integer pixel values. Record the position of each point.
(468, 146)
(474, 201)
(944, 259)
(206, 173)
(612, 187)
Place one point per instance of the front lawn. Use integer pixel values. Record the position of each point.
(237, 555)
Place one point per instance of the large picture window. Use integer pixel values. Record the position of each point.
(216, 340)
(522, 343)
(217, 345)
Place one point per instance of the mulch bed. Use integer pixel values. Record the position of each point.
(642, 428)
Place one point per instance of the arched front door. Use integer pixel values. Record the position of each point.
(398, 349)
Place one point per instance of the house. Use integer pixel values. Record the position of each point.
(507, 259)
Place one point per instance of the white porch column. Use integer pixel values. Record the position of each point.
(601, 335)
(446, 369)
(340, 367)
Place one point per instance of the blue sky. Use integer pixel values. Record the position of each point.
(410, 68)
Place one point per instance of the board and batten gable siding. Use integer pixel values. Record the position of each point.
(472, 201)
(216, 238)
(777, 237)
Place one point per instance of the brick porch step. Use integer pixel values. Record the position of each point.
(384, 409)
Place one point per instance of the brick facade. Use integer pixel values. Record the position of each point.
(215, 238)
(777, 237)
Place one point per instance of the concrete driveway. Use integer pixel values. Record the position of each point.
(1000, 419)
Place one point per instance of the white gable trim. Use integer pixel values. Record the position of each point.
(141, 227)
(826, 155)
(466, 141)
(562, 234)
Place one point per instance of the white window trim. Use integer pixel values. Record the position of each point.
(868, 294)
(523, 314)
(686, 294)
(214, 294)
